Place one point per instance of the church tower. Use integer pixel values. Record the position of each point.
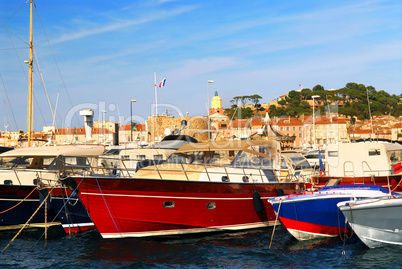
(216, 104)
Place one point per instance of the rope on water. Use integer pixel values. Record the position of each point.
(28, 221)
(19, 202)
(346, 236)
(277, 216)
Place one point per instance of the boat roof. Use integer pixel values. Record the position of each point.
(386, 145)
(226, 145)
(70, 150)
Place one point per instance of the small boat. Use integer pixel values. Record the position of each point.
(202, 187)
(315, 214)
(377, 222)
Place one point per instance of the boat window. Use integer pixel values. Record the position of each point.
(112, 152)
(269, 174)
(249, 159)
(141, 157)
(47, 160)
(8, 182)
(225, 179)
(298, 160)
(332, 153)
(395, 156)
(374, 152)
(15, 162)
(158, 157)
(179, 158)
(245, 179)
(211, 206)
(168, 204)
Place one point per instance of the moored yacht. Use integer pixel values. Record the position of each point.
(23, 170)
(202, 187)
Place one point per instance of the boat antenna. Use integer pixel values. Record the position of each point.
(371, 119)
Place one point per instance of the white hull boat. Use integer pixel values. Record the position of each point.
(377, 222)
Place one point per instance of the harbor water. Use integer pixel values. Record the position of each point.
(246, 249)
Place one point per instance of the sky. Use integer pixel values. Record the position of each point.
(103, 54)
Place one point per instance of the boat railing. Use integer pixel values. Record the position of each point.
(346, 172)
(33, 177)
(109, 166)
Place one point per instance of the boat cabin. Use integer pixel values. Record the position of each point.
(362, 159)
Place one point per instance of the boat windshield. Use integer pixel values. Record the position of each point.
(21, 162)
(298, 160)
(202, 157)
(219, 158)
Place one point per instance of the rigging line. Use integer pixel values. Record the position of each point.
(55, 61)
(40, 111)
(5, 22)
(5, 104)
(43, 84)
(110, 213)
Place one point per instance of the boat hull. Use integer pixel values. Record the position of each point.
(151, 207)
(18, 203)
(376, 222)
(70, 211)
(311, 219)
(316, 215)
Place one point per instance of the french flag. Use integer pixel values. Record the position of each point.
(162, 83)
(322, 169)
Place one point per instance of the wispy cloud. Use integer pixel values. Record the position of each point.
(155, 16)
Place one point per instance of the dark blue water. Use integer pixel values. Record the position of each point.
(221, 250)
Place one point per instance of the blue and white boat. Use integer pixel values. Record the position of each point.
(316, 215)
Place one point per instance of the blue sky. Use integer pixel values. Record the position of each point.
(105, 53)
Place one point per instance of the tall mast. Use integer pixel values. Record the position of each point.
(30, 92)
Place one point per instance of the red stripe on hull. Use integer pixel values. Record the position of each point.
(80, 229)
(135, 206)
(377, 180)
(312, 228)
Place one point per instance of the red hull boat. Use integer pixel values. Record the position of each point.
(202, 187)
(146, 207)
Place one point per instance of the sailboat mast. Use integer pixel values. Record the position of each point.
(30, 91)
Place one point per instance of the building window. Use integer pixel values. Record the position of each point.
(294, 128)
(287, 128)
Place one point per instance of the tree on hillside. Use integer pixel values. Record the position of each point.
(242, 99)
(255, 99)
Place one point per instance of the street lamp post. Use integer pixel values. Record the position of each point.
(209, 107)
(314, 96)
(103, 126)
(131, 119)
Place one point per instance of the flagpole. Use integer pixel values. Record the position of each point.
(156, 95)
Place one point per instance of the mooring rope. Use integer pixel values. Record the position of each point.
(29, 220)
(110, 213)
(19, 202)
(58, 213)
(277, 216)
